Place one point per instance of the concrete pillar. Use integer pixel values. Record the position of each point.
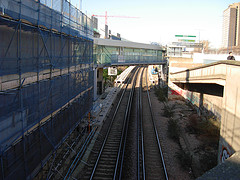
(98, 82)
(95, 84)
(229, 141)
(164, 71)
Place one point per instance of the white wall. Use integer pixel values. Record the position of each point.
(209, 58)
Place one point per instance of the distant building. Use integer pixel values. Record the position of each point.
(231, 26)
(175, 50)
(184, 45)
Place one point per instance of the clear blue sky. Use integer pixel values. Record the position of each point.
(160, 20)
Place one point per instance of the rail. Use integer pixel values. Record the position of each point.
(140, 133)
(127, 117)
(80, 154)
(112, 161)
(53, 169)
(156, 132)
(108, 132)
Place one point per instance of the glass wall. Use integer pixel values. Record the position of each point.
(107, 54)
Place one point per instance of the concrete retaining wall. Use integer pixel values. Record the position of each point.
(207, 102)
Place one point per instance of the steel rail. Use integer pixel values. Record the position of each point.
(66, 153)
(138, 131)
(109, 128)
(79, 154)
(141, 133)
(124, 135)
(156, 132)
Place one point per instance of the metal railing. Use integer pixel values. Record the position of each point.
(105, 58)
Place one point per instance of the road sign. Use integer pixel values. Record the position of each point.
(112, 71)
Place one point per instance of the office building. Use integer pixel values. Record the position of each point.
(231, 26)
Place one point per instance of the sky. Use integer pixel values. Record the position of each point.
(160, 20)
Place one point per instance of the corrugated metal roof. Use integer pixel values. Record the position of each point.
(127, 44)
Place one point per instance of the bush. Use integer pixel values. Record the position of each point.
(193, 124)
(208, 127)
(208, 160)
(168, 111)
(184, 159)
(173, 130)
(161, 93)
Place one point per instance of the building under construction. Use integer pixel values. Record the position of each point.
(46, 80)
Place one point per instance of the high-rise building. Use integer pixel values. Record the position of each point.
(231, 26)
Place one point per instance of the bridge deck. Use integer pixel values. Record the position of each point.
(211, 73)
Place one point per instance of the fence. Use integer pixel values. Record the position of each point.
(46, 81)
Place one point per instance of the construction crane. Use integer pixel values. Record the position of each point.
(106, 16)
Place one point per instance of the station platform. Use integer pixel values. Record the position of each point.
(103, 105)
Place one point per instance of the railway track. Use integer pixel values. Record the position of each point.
(154, 165)
(128, 147)
(106, 162)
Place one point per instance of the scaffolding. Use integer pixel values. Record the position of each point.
(46, 81)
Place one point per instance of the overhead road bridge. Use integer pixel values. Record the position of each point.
(221, 81)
